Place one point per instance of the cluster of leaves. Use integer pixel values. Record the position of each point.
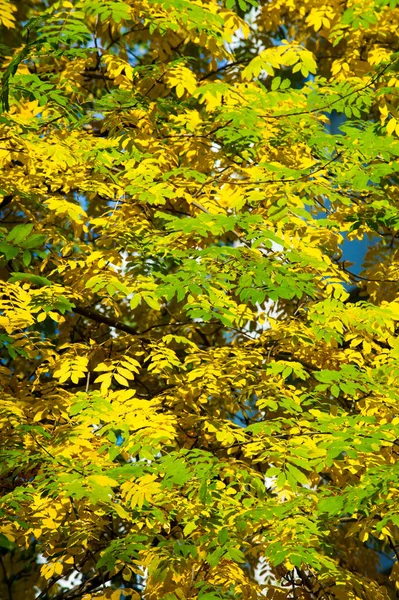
(193, 403)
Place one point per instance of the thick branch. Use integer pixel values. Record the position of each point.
(85, 587)
(100, 318)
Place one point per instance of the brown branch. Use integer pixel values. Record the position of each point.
(329, 104)
(178, 324)
(225, 68)
(64, 465)
(307, 584)
(49, 585)
(342, 265)
(103, 319)
(393, 547)
(290, 180)
(93, 75)
(85, 587)
(7, 580)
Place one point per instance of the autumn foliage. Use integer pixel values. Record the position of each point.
(199, 392)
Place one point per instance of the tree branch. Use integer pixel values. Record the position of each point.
(329, 104)
(103, 319)
(85, 587)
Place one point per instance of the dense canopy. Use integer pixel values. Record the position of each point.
(199, 392)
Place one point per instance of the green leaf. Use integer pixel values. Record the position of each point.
(135, 301)
(19, 233)
(10, 72)
(223, 535)
(190, 527)
(297, 474)
(152, 302)
(62, 304)
(26, 258)
(5, 542)
(34, 241)
(276, 83)
(332, 505)
(214, 558)
(236, 555)
(10, 252)
(36, 279)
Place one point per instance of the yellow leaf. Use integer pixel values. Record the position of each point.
(75, 377)
(4, 321)
(391, 126)
(103, 367)
(121, 512)
(383, 110)
(125, 372)
(132, 364)
(6, 14)
(47, 570)
(179, 90)
(121, 379)
(364, 536)
(103, 480)
(183, 80)
(65, 376)
(105, 380)
(140, 492)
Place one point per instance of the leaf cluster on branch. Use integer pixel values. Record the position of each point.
(199, 391)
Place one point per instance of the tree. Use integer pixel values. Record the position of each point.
(192, 405)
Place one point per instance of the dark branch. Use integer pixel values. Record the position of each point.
(85, 587)
(100, 318)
